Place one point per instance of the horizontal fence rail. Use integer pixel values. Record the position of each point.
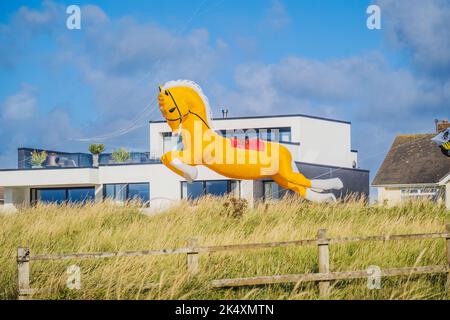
(342, 275)
(193, 250)
(103, 255)
(234, 247)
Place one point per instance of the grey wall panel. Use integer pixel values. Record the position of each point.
(356, 181)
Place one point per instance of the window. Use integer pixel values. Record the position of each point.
(139, 191)
(122, 192)
(272, 191)
(285, 135)
(218, 188)
(269, 134)
(51, 195)
(432, 193)
(192, 190)
(80, 195)
(169, 141)
(62, 195)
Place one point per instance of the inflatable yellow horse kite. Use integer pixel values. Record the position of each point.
(188, 114)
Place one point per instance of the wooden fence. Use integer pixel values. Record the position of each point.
(193, 250)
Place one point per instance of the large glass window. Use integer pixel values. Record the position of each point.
(127, 191)
(217, 188)
(139, 191)
(62, 195)
(213, 187)
(80, 194)
(192, 190)
(51, 195)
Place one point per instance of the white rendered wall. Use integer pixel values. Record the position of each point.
(325, 142)
(48, 177)
(390, 196)
(16, 197)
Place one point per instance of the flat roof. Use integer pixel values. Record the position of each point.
(160, 163)
(271, 116)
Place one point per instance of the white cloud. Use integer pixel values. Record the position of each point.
(20, 106)
(380, 100)
(121, 61)
(422, 29)
(124, 61)
(22, 125)
(277, 16)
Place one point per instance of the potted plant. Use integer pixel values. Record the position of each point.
(37, 158)
(96, 149)
(120, 155)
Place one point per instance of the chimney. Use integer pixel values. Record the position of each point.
(224, 113)
(441, 125)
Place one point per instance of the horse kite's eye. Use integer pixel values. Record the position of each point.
(166, 93)
(172, 110)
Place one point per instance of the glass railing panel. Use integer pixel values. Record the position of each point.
(57, 159)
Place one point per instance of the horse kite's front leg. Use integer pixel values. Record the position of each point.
(174, 161)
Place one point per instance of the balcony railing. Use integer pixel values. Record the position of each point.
(57, 159)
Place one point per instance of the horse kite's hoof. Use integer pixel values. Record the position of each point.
(327, 184)
(319, 197)
(190, 173)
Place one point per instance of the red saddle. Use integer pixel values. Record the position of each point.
(249, 144)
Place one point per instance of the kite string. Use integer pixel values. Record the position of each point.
(129, 128)
(134, 124)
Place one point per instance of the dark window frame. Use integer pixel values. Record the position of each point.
(204, 193)
(257, 131)
(33, 193)
(127, 189)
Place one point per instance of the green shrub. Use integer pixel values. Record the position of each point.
(96, 148)
(38, 158)
(120, 155)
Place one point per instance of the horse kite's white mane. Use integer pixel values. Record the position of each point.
(194, 86)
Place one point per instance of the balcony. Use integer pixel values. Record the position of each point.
(58, 159)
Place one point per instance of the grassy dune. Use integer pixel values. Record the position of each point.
(107, 227)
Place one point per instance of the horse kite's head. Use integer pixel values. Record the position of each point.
(182, 98)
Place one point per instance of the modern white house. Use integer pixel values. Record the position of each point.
(321, 148)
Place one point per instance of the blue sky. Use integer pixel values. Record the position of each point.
(255, 57)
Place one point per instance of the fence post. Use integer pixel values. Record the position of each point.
(447, 240)
(23, 272)
(324, 261)
(192, 257)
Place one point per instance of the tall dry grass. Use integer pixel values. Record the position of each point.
(108, 227)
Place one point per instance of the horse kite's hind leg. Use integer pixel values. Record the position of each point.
(306, 193)
(288, 185)
(286, 172)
